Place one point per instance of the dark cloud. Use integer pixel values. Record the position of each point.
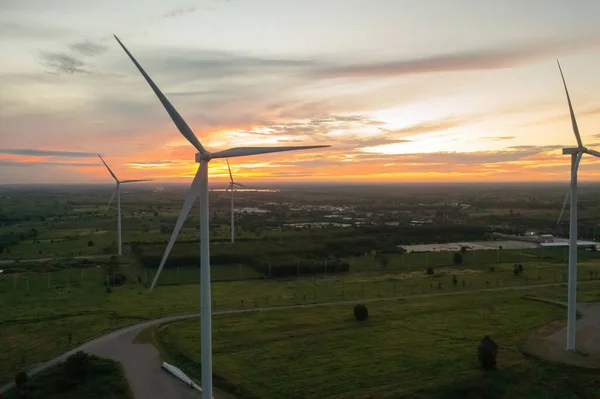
(46, 153)
(88, 48)
(72, 62)
(63, 63)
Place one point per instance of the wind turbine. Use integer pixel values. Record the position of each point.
(199, 189)
(231, 188)
(576, 154)
(117, 191)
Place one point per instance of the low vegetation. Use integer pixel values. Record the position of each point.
(415, 349)
(80, 376)
(361, 313)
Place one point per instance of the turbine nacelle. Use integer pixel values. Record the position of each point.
(573, 150)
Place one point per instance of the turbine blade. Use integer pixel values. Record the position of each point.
(135, 181)
(225, 192)
(230, 175)
(245, 151)
(190, 198)
(593, 152)
(110, 171)
(568, 194)
(573, 120)
(110, 201)
(177, 119)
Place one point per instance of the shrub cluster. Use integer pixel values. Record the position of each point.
(361, 313)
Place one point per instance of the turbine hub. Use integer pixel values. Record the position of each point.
(206, 156)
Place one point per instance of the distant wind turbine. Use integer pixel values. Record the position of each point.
(199, 189)
(117, 191)
(576, 154)
(231, 188)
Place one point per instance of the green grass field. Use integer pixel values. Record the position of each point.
(40, 310)
(412, 349)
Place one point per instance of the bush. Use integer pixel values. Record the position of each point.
(360, 312)
(458, 258)
(117, 278)
(430, 271)
(487, 353)
(77, 366)
(63, 384)
(454, 280)
(463, 249)
(518, 269)
(21, 379)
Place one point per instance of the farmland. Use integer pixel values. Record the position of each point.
(58, 254)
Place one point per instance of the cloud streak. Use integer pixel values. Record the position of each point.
(47, 153)
(10, 29)
(63, 63)
(481, 59)
(88, 48)
(13, 162)
(180, 11)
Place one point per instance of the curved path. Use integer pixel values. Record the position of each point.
(141, 362)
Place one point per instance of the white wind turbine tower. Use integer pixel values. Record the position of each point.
(117, 191)
(576, 154)
(231, 187)
(199, 189)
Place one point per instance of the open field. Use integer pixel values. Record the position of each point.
(55, 254)
(411, 349)
(46, 320)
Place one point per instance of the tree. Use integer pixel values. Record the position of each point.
(384, 261)
(430, 271)
(454, 280)
(21, 380)
(90, 243)
(361, 313)
(458, 258)
(516, 270)
(487, 353)
(463, 249)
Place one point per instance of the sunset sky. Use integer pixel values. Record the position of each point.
(403, 90)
